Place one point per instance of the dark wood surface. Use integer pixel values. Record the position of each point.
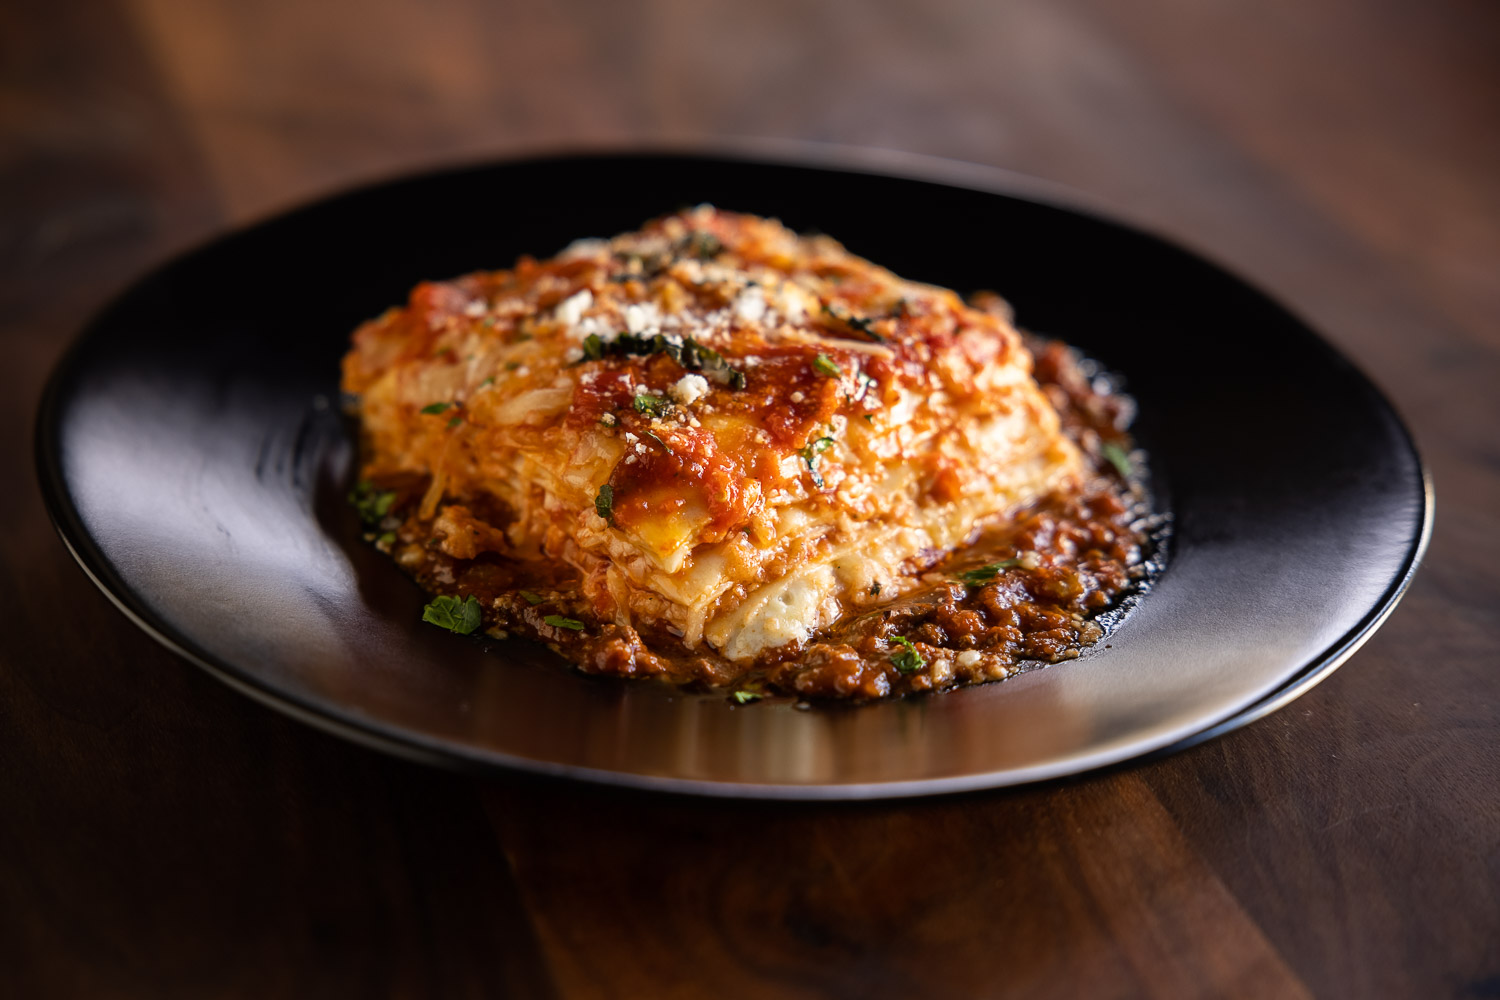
(161, 836)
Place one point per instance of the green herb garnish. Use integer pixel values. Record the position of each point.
(704, 246)
(653, 406)
(824, 365)
(906, 659)
(455, 422)
(854, 322)
(987, 574)
(488, 381)
(453, 614)
(604, 503)
(388, 538)
(531, 597)
(434, 408)
(664, 446)
(810, 456)
(686, 351)
(371, 504)
(558, 621)
(745, 697)
(1117, 457)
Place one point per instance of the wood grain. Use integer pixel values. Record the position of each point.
(163, 836)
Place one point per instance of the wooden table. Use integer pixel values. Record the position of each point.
(162, 836)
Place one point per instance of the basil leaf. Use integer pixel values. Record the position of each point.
(432, 408)
(531, 597)
(558, 621)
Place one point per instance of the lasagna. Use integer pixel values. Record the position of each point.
(716, 451)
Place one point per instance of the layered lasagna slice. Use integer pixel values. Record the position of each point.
(712, 431)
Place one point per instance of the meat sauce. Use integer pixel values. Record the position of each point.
(1037, 591)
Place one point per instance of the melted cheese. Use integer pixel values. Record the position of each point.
(782, 424)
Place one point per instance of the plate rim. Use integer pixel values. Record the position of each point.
(889, 164)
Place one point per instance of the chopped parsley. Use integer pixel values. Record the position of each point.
(488, 381)
(664, 446)
(824, 365)
(435, 408)
(604, 503)
(875, 589)
(651, 405)
(860, 323)
(388, 538)
(531, 597)
(906, 659)
(455, 422)
(640, 264)
(371, 504)
(744, 696)
(558, 621)
(1117, 456)
(810, 456)
(979, 576)
(869, 418)
(687, 352)
(703, 245)
(453, 614)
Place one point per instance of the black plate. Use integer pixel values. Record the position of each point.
(193, 457)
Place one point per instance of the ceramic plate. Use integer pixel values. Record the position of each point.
(195, 460)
